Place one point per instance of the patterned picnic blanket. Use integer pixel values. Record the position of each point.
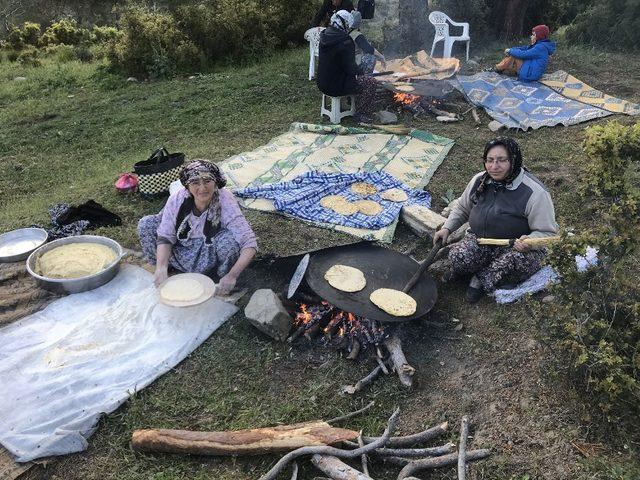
(301, 197)
(419, 74)
(411, 159)
(570, 87)
(524, 105)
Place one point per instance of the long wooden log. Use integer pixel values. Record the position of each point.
(416, 452)
(258, 441)
(401, 366)
(438, 462)
(416, 438)
(336, 468)
(462, 449)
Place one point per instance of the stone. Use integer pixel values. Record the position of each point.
(495, 126)
(132, 79)
(265, 312)
(385, 118)
(548, 299)
(421, 220)
(473, 63)
(19, 79)
(446, 211)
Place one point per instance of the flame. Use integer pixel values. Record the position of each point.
(304, 316)
(406, 98)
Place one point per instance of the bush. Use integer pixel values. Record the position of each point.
(65, 31)
(83, 53)
(62, 53)
(598, 311)
(152, 45)
(105, 34)
(29, 57)
(12, 55)
(14, 38)
(615, 23)
(31, 33)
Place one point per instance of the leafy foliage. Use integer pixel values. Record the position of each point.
(615, 23)
(65, 31)
(599, 310)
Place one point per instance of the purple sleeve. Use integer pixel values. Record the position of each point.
(233, 219)
(167, 227)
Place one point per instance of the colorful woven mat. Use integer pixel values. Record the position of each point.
(411, 159)
(569, 86)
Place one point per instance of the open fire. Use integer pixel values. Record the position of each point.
(418, 105)
(341, 329)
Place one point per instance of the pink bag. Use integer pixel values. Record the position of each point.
(127, 183)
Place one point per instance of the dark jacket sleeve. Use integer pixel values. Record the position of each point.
(364, 45)
(322, 12)
(348, 59)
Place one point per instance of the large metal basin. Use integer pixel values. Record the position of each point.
(82, 284)
(16, 238)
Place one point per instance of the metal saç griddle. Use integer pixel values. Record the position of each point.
(382, 268)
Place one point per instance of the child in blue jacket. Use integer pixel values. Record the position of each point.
(529, 62)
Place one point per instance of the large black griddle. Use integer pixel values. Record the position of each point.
(382, 268)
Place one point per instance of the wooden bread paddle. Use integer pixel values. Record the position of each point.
(509, 242)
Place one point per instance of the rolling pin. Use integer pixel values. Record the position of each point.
(509, 242)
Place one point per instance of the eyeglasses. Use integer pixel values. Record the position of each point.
(497, 160)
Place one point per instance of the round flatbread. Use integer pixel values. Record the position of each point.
(395, 195)
(394, 302)
(347, 279)
(178, 289)
(363, 188)
(368, 207)
(346, 208)
(331, 200)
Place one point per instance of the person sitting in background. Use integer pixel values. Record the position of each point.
(200, 229)
(327, 9)
(338, 74)
(366, 55)
(503, 201)
(529, 62)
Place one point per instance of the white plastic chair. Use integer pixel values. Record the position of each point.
(441, 23)
(313, 37)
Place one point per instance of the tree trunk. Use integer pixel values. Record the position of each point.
(283, 438)
(413, 23)
(509, 15)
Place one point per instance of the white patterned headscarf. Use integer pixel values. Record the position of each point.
(342, 20)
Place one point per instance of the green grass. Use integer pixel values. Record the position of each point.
(70, 129)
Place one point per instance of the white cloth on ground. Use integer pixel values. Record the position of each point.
(538, 281)
(86, 354)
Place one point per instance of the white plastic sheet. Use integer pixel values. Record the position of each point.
(85, 354)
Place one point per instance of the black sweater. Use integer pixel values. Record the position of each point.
(327, 9)
(337, 67)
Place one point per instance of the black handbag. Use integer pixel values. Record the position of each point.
(156, 173)
(366, 8)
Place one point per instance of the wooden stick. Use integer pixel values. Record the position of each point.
(355, 349)
(336, 468)
(410, 440)
(476, 117)
(384, 368)
(404, 370)
(365, 467)
(360, 384)
(438, 462)
(336, 452)
(462, 449)
(416, 452)
(504, 242)
(352, 414)
(257, 441)
(294, 472)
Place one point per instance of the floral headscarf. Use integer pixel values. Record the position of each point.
(202, 169)
(342, 20)
(515, 161)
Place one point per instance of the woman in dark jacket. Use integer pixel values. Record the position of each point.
(328, 8)
(529, 62)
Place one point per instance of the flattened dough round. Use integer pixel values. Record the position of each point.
(179, 289)
(346, 208)
(368, 207)
(363, 188)
(331, 200)
(395, 195)
(347, 279)
(394, 302)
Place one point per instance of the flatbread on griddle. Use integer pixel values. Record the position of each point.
(368, 207)
(395, 195)
(345, 278)
(363, 188)
(394, 302)
(179, 289)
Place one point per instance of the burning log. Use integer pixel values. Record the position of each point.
(256, 441)
(313, 330)
(404, 370)
(337, 469)
(438, 462)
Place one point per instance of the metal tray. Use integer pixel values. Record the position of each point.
(30, 238)
(82, 284)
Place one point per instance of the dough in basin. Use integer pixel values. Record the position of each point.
(394, 302)
(395, 195)
(368, 207)
(178, 289)
(347, 279)
(75, 260)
